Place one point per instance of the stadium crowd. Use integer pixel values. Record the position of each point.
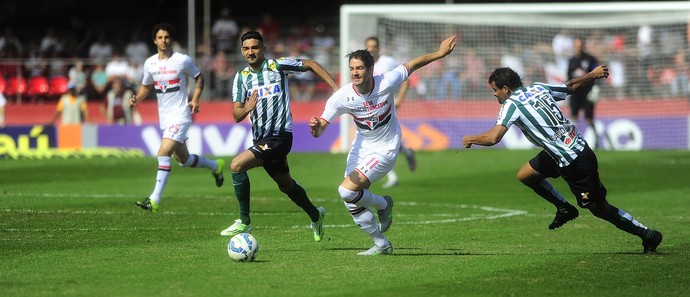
(646, 62)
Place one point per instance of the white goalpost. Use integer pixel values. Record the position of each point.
(643, 105)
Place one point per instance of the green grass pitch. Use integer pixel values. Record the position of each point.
(463, 226)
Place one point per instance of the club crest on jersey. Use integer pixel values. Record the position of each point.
(272, 65)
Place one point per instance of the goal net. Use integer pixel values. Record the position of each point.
(642, 105)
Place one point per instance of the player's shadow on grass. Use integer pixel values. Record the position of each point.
(409, 252)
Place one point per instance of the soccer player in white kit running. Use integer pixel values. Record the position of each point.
(383, 64)
(165, 73)
(369, 99)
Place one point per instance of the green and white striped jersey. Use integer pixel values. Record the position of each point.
(272, 115)
(533, 109)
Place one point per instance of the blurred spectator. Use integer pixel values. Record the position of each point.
(617, 64)
(101, 50)
(680, 86)
(302, 85)
(323, 47)
(36, 64)
(670, 42)
(78, 77)
(117, 67)
(512, 57)
(136, 49)
(225, 32)
(221, 75)
(584, 98)
(56, 66)
(115, 108)
(475, 69)
(562, 46)
(268, 28)
(51, 43)
(3, 102)
(645, 52)
(135, 73)
(98, 80)
(10, 46)
(71, 109)
(450, 78)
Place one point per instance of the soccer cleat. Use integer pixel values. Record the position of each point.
(147, 204)
(218, 174)
(650, 244)
(237, 228)
(386, 215)
(318, 225)
(377, 250)
(411, 160)
(563, 217)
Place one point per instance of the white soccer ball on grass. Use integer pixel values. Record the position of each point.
(243, 247)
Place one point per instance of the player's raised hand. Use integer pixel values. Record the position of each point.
(602, 71)
(448, 45)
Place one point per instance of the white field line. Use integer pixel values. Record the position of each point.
(485, 213)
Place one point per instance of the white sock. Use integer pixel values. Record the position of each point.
(161, 179)
(392, 177)
(547, 185)
(364, 218)
(196, 161)
(629, 217)
(374, 200)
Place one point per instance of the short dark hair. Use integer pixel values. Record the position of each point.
(165, 27)
(505, 76)
(252, 35)
(362, 55)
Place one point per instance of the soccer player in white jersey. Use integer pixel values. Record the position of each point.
(383, 64)
(370, 101)
(564, 153)
(165, 73)
(260, 92)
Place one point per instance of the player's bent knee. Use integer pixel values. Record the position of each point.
(349, 196)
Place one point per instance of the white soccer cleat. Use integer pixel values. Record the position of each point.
(237, 228)
(377, 250)
(392, 182)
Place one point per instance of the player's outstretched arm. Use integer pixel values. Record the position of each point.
(444, 49)
(487, 138)
(317, 126)
(321, 72)
(602, 71)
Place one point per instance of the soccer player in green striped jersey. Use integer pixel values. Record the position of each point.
(564, 153)
(261, 92)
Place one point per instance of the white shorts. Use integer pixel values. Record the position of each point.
(374, 165)
(177, 131)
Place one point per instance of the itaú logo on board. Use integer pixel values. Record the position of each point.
(236, 140)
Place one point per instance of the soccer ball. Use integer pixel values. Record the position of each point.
(243, 247)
